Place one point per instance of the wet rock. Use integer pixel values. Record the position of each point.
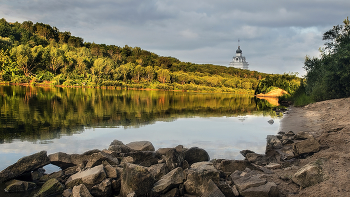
(245, 152)
(198, 175)
(54, 175)
(158, 170)
(19, 186)
(50, 187)
(120, 148)
(81, 191)
(270, 121)
(97, 158)
(89, 177)
(174, 159)
(169, 181)
(267, 190)
(37, 174)
(308, 175)
(195, 154)
(141, 146)
(306, 146)
(136, 178)
(25, 164)
(233, 165)
(103, 189)
(211, 189)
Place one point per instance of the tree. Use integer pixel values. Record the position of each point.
(149, 73)
(138, 71)
(163, 75)
(24, 58)
(57, 59)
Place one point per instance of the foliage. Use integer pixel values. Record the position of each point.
(39, 52)
(328, 77)
(287, 82)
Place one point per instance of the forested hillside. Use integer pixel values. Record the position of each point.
(41, 54)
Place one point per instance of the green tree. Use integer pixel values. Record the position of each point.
(163, 75)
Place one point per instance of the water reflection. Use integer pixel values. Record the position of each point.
(76, 120)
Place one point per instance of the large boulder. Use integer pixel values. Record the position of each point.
(267, 190)
(158, 170)
(195, 154)
(97, 159)
(104, 189)
(23, 165)
(81, 191)
(90, 177)
(258, 159)
(50, 188)
(19, 186)
(62, 160)
(174, 159)
(120, 148)
(306, 146)
(169, 181)
(247, 181)
(198, 175)
(211, 189)
(309, 175)
(144, 158)
(231, 166)
(116, 142)
(136, 178)
(273, 142)
(141, 146)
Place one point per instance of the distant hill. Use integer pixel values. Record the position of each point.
(41, 54)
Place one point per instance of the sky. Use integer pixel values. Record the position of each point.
(275, 35)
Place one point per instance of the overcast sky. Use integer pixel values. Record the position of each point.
(275, 35)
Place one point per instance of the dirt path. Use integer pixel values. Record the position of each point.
(329, 122)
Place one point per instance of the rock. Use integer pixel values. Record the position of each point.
(144, 158)
(89, 177)
(174, 159)
(273, 142)
(120, 148)
(67, 193)
(273, 166)
(281, 133)
(132, 194)
(25, 164)
(267, 190)
(97, 159)
(226, 189)
(158, 170)
(290, 133)
(127, 159)
(245, 152)
(54, 175)
(169, 181)
(37, 174)
(256, 158)
(270, 121)
(103, 189)
(90, 152)
(302, 136)
(141, 146)
(180, 148)
(79, 160)
(111, 172)
(235, 191)
(172, 193)
(81, 191)
(306, 146)
(116, 142)
(136, 178)
(233, 165)
(198, 175)
(287, 137)
(195, 154)
(62, 160)
(19, 186)
(308, 175)
(248, 181)
(50, 187)
(211, 190)
(163, 151)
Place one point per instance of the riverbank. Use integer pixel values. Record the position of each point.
(329, 122)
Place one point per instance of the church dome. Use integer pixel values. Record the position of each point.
(239, 50)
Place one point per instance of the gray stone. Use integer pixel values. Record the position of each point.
(158, 170)
(67, 193)
(54, 175)
(302, 136)
(163, 151)
(231, 166)
(97, 158)
(198, 175)
(308, 175)
(111, 172)
(267, 190)
(211, 190)
(37, 174)
(62, 160)
(103, 189)
(136, 178)
(120, 148)
(19, 186)
(273, 166)
(141, 146)
(116, 142)
(248, 181)
(172, 193)
(306, 146)
(25, 164)
(225, 188)
(195, 154)
(258, 159)
(290, 133)
(89, 177)
(245, 152)
(169, 181)
(90, 152)
(81, 191)
(174, 159)
(273, 142)
(50, 187)
(144, 158)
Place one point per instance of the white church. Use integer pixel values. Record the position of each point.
(239, 61)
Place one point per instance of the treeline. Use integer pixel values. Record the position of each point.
(287, 82)
(328, 77)
(38, 53)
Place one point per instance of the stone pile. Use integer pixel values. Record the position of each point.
(136, 169)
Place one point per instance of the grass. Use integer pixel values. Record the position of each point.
(302, 100)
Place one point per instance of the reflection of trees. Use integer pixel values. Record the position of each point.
(31, 113)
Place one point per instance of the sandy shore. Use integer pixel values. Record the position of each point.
(329, 122)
